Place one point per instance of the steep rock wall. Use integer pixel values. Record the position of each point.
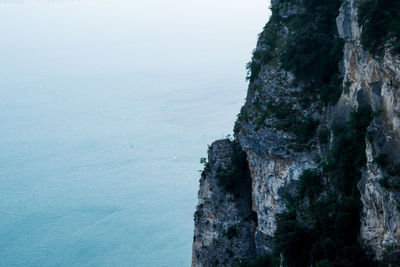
(277, 156)
(373, 81)
(224, 223)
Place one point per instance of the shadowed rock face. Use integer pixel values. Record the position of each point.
(275, 162)
(224, 222)
(375, 82)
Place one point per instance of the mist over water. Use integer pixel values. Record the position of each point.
(105, 109)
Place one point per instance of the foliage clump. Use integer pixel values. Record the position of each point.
(380, 21)
(269, 41)
(206, 166)
(231, 232)
(253, 69)
(289, 120)
(323, 135)
(391, 178)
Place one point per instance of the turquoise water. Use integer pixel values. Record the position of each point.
(105, 109)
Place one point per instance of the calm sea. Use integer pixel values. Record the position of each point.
(105, 109)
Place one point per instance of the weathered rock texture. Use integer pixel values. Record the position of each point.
(375, 82)
(224, 223)
(276, 161)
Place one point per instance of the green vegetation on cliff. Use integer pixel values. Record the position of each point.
(233, 176)
(321, 224)
(380, 20)
(322, 221)
(307, 44)
(391, 178)
(313, 50)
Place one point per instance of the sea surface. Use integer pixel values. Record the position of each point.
(106, 108)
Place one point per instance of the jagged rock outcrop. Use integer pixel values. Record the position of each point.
(224, 222)
(282, 136)
(270, 178)
(275, 157)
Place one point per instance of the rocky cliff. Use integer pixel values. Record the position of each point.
(375, 82)
(224, 218)
(320, 130)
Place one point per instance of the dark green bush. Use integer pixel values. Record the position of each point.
(325, 263)
(323, 135)
(253, 69)
(237, 127)
(381, 160)
(381, 25)
(305, 129)
(266, 53)
(292, 239)
(280, 110)
(206, 166)
(330, 93)
(264, 56)
(347, 155)
(290, 120)
(231, 232)
(391, 181)
(310, 184)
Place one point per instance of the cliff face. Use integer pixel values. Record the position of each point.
(374, 82)
(285, 130)
(224, 222)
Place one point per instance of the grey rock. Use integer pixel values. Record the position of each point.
(374, 82)
(275, 166)
(224, 225)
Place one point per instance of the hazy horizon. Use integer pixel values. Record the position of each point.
(106, 109)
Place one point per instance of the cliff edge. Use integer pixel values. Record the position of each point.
(312, 177)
